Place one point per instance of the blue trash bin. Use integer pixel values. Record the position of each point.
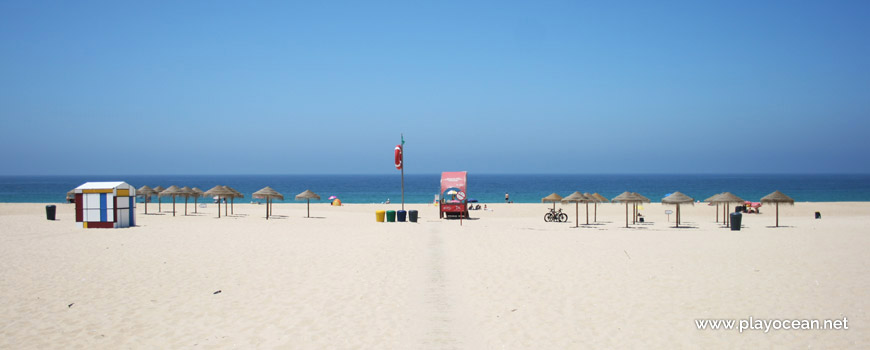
(401, 215)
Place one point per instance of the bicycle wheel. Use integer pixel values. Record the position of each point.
(563, 217)
(549, 217)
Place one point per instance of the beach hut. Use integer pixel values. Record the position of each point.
(307, 195)
(105, 205)
(678, 198)
(777, 197)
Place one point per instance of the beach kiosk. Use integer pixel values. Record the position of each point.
(105, 205)
(454, 194)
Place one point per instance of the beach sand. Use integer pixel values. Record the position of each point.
(503, 280)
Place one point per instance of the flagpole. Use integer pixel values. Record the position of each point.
(403, 171)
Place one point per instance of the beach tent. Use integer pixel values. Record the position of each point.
(105, 205)
(336, 202)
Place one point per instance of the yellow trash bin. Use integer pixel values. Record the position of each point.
(379, 215)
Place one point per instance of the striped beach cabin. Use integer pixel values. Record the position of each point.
(105, 205)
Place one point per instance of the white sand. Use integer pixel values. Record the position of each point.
(505, 280)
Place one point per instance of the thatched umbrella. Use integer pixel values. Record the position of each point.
(712, 199)
(642, 199)
(159, 189)
(599, 199)
(145, 192)
(172, 191)
(187, 192)
(777, 197)
(196, 193)
(678, 198)
(307, 195)
(268, 193)
(555, 198)
(626, 197)
(726, 198)
(236, 194)
(219, 191)
(577, 198)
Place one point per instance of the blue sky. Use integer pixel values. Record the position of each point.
(489, 87)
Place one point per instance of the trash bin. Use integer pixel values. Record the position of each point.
(736, 218)
(401, 214)
(379, 215)
(412, 216)
(391, 216)
(50, 211)
(818, 215)
(739, 209)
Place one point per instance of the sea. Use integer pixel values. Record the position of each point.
(486, 188)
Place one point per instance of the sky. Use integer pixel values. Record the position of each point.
(327, 87)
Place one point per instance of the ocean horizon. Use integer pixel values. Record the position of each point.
(486, 188)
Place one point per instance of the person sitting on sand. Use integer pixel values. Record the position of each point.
(388, 201)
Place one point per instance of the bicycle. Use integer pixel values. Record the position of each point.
(555, 216)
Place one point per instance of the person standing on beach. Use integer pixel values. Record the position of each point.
(507, 197)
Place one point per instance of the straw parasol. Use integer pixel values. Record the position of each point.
(145, 192)
(172, 191)
(577, 198)
(726, 198)
(643, 199)
(678, 198)
(187, 192)
(777, 197)
(307, 195)
(196, 193)
(599, 199)
(712, 200)
(159, 189)
(626, 197)
(236, 194)
(268, 193)
(218, 191)
(552, 198)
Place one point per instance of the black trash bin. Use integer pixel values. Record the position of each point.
(736, 218)
(740, 209)
(412, 216)
(50, 211)
(401, 215)
(818, 215)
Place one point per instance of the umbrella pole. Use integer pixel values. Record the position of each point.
(267, 208)
(626, 215)
(232, 201)
(717, 212)
(173, 205)
(587, 213)
(309, 208)
(185, 206)
(195, 204)
(146, 205)
(777, 214)
(678, 214)
(219, 206)
(576, 214)
(225, 207)
(159, 204)
(596, 212)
